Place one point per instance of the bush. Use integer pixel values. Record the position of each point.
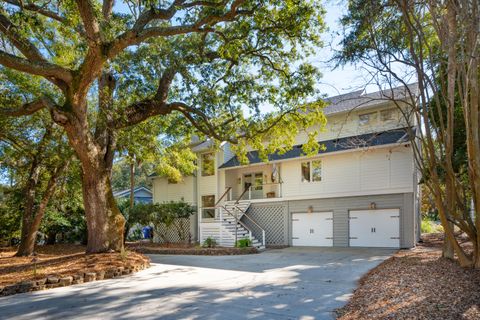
(429, 226)
(210, 243)
(244, 243)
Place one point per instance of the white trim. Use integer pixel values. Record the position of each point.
(336, 195)
(319, 156)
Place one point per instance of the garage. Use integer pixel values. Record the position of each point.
(375, 228)
(312, 229)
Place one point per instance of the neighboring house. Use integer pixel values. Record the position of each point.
(361, 191)
(140, 195)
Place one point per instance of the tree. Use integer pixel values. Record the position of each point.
(435, 43)
(203, 60)
(37, 157)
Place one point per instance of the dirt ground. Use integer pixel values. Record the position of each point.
(416, 284)
(59, 260)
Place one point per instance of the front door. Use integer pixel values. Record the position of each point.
(254, 180)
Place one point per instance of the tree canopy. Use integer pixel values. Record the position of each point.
(209, 66)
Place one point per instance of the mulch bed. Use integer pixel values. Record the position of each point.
(62, 265)
(416, 284)
(187, 249)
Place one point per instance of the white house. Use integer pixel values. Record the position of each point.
(361, 191)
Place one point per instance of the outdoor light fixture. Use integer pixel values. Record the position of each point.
(373, 205)
(310, 209)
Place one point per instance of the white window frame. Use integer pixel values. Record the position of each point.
(310, 167)
(208, 208)
(372, 117)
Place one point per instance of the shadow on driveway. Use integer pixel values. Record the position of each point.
(292, 283)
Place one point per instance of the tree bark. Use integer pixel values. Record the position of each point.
(105, 222)
(33, 215)
(132, 182)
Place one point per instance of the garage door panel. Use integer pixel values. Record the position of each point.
(375, 228)
(312, 229)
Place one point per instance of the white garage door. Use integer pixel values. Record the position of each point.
(375, 228)
(312, 229)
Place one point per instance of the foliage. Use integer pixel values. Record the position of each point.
(209, 243)
(430, 226)
(243, 243)
(135, 235)
(432, 44)
(10, 217)
(119, 82)
(121, 175)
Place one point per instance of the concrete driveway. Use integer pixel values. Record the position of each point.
(292, 283)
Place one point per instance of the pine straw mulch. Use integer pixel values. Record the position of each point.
(186, 249)
(60, 260)
(416, 284)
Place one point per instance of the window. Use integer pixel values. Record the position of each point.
(367, 118)
(317, 170)
(208, 164)
(312, 171)
(208, 204)
(306, 171)
(387, 115)
(258, 183)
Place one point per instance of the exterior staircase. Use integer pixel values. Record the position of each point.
(231, 222)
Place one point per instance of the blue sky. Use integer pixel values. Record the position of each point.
(344, 79)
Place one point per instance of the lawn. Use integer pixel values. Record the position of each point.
(416, 284)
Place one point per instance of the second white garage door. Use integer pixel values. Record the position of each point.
(312, 229)
(375, 228)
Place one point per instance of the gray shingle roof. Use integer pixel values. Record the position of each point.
(335, 145)
(357, 99)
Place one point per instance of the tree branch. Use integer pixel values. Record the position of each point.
(43, 68)
(90, 22)
(146, 108)
(18, 40)
(139, 33)
(28, 108)
(35, 8)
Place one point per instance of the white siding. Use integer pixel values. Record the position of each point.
(347, 124)
(353, 173)
(164, 191)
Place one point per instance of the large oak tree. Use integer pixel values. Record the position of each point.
(112, 66)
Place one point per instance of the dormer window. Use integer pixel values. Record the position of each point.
(367, 118)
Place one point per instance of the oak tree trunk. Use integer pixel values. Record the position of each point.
(28, 236)
(105, 223)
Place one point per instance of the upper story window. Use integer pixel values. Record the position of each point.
(367, 118)
(208, 164)
(312, 171)
(388, 115)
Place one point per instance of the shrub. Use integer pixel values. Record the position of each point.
(244, 243)
(210, 243)
(429, 226)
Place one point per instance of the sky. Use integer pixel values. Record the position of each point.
(343, 79)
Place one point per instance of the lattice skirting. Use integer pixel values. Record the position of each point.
(179, 231)
(272, 218)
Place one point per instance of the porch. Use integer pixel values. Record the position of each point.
(254, 182)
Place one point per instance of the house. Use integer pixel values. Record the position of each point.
(140, 195)
(360, 191)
